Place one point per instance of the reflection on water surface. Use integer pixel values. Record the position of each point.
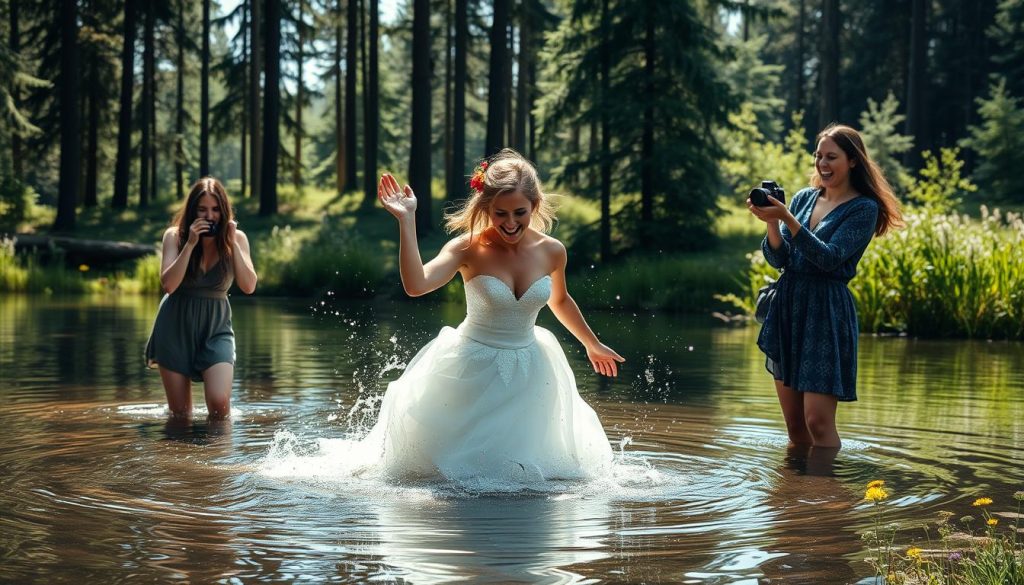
(98, 487)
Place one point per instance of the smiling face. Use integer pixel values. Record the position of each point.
(832, 164)
(510, 216)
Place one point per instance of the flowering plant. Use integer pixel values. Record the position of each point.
(476, 183)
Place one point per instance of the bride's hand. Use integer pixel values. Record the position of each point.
(604, 359)
(399, 202)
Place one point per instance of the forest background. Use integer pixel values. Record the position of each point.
(650, 119)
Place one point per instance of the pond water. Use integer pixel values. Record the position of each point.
(98, 487)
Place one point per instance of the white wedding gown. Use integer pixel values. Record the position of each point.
(492, 400)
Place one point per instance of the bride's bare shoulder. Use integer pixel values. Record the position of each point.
(553, 248)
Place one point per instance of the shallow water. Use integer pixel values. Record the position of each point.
(97, 486)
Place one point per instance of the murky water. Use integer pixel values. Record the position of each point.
(97, 487)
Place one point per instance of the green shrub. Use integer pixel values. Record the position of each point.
(999, 142)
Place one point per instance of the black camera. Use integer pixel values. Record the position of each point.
(212, 231)
(759, 195)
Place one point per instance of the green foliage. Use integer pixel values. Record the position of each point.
(880, 130)
(1007, 30)
(338, 262)
(999, 142)
(750, 157)
(748, 75)
(29, 274)
(940, 187)
(16, 203)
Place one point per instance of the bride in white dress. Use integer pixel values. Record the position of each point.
(495, 397)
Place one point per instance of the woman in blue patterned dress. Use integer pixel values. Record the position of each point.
(810, 332)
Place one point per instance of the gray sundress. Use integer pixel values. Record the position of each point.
(810, 332)
(192, 330)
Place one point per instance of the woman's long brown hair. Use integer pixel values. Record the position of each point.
(188, 214)
(865, 177)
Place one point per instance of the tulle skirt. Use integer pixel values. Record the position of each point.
(465, 410)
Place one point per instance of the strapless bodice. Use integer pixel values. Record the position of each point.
(495, 317)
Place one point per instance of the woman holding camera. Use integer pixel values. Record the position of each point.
(810, 331)
(192, 339)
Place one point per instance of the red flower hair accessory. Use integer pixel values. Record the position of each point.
(477, 183)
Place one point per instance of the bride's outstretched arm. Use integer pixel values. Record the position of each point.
(417, 279)
(602, 358)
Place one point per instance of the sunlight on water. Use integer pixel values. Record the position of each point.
(100, 486)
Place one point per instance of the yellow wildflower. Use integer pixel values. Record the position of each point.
(992, 522)
(982, 502)
(914, 553)
(83, 268)
(875, 494)
(876, 483)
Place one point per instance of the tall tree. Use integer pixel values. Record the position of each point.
(419, 160)
(457, 172)
(271, 109)
(15, 44)
(519, 139)
(916, 82)
(204, 95)
(495, 139)
(179, 105)
(829, 64)
(339, 127)
(67, 192)
(255, 61)
(371, 107)
(351, 58)
(606, 163)
(124, 125)
(301, 31)
(92, 141)
(148, 72)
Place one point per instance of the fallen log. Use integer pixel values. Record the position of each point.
(81, 251)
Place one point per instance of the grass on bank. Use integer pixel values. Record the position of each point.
(992, 553)
(320, 242)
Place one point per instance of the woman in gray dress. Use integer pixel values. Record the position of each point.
(809, 335)
(192, 339)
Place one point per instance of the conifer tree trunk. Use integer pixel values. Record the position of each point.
(244, 122)
(145, 147)
(801, 57)
(510, 55)
(153, 141)
(606, 167)
(92, 145)
(124, 125)
(255, 133)
(647, 186)
(495, 138)
(419, 159)
(457, 188)
(916, 83)
(299, 58)
(179, 107)
(341, 153)
(829, 88)
(351, 58)
(271, 109)
(204, 93)
(15, 44)
(371, 108)
(523, 87)
(449, 177)
(67, 190)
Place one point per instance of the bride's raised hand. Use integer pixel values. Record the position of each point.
(604, 359)
(399, 202)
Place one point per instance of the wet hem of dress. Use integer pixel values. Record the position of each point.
(768, 359)
(153, 364)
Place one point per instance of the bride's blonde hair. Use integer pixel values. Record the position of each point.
(506, 172)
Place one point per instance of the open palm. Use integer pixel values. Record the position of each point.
(399, 202)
